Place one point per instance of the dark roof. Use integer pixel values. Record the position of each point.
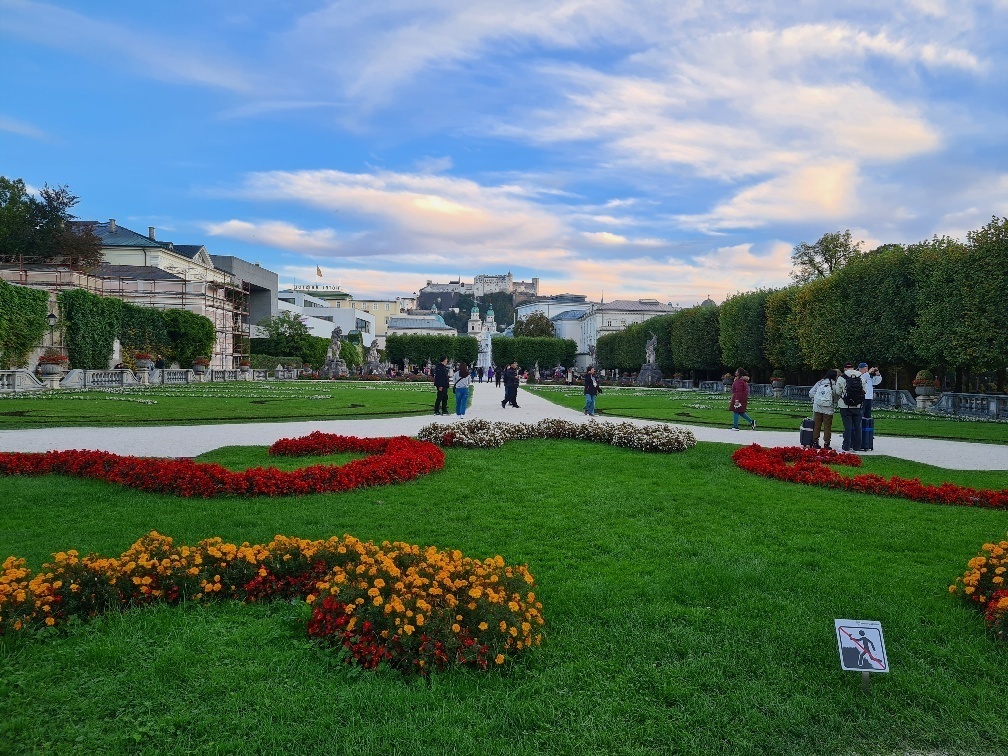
(189, 250)
(569, 315)
(634, 305)
(121, 237)
(135, 273)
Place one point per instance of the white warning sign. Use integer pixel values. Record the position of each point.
(862, 647)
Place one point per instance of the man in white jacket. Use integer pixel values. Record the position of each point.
(870, 378)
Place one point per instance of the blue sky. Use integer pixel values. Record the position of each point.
(635, 148)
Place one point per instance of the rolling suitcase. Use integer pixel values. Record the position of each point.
(868, 433)
(805, 437)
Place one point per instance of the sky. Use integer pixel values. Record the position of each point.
(616, 148)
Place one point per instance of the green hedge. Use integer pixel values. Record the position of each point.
(22, 323)
(528, 350)
(308, 350)
(92, 323)
(419, 349)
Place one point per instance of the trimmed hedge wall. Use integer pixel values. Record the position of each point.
(22, 323)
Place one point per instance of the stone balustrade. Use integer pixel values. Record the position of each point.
(992, 406)
(19, 380)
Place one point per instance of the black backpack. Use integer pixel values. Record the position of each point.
(853, 394)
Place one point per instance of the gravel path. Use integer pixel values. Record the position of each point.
(191, 440)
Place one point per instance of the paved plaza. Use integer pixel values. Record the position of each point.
(191, 440)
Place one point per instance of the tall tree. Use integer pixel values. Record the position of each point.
(829, 254)
(535, 324)
(41, 229)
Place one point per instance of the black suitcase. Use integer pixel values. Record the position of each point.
(868, 433)
(805, 437)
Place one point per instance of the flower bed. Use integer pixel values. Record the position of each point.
(483, 434)
(983, 586)
(809, 466)
(393, 460)
(414, 609)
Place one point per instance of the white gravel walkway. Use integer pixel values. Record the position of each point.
(191, 440)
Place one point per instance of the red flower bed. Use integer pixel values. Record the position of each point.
(809, 466)
(393, 460)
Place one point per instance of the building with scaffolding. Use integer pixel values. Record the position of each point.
(139, 269)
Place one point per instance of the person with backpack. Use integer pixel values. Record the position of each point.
(441, 384)
(823, 395)
(851, 390)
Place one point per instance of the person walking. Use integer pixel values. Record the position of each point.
(441, 384)
(490, 375)
(511, 386)
(497, 375)
(823, 396)
(850, 389)
(479, 373)
(460, 382)
(740, 399)
(591, 389)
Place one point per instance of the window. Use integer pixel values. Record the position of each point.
(386, 307)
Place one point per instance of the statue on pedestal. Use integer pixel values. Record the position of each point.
(649, 374)
(372, 365)
(335, 367)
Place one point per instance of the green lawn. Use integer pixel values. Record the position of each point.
(702, 408)
(689, 609)
(200, 403)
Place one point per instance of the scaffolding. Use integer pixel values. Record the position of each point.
(221, 297)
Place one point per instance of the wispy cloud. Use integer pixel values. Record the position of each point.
(161, 57)
(22, 128)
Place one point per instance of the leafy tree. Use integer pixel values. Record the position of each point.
(189, 336)
(694, 339)
(42, 229)
(780, 340)
(536, 325)
(742, 330)
(829, 254)
(286, 333)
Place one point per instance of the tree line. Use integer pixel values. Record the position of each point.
(936, 304)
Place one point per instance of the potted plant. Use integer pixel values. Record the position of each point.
(777, 379)
(244, 365)
(727, 380)
(143, 360)
(925, 383)
(200, 365)
(52, 362)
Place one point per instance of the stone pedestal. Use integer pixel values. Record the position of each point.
(143, 375)
(335, 369)
(649, 375)
(925, 403)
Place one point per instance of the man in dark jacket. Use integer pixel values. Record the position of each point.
(441, 384)
(591, 388)
(511, 385)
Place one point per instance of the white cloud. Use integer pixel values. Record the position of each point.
(818, 193)
(159, 56)
(22, 128)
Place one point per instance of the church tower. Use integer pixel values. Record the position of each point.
(490, 325)
(475, 326)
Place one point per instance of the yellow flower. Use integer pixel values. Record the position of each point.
(456, 627)
(499, 658)
(483, 625)
(408, 629)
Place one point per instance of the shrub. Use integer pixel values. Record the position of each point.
(22, 323)
(983, 586)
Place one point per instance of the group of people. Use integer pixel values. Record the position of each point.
(462, 378)
(851, 391)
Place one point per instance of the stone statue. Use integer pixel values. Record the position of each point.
(650, 374)
(372, 355)
(335, 344)
(651, 346)
(335, 367)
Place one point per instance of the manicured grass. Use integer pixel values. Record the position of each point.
(216, 403)
(701, 408)
(689, 609)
